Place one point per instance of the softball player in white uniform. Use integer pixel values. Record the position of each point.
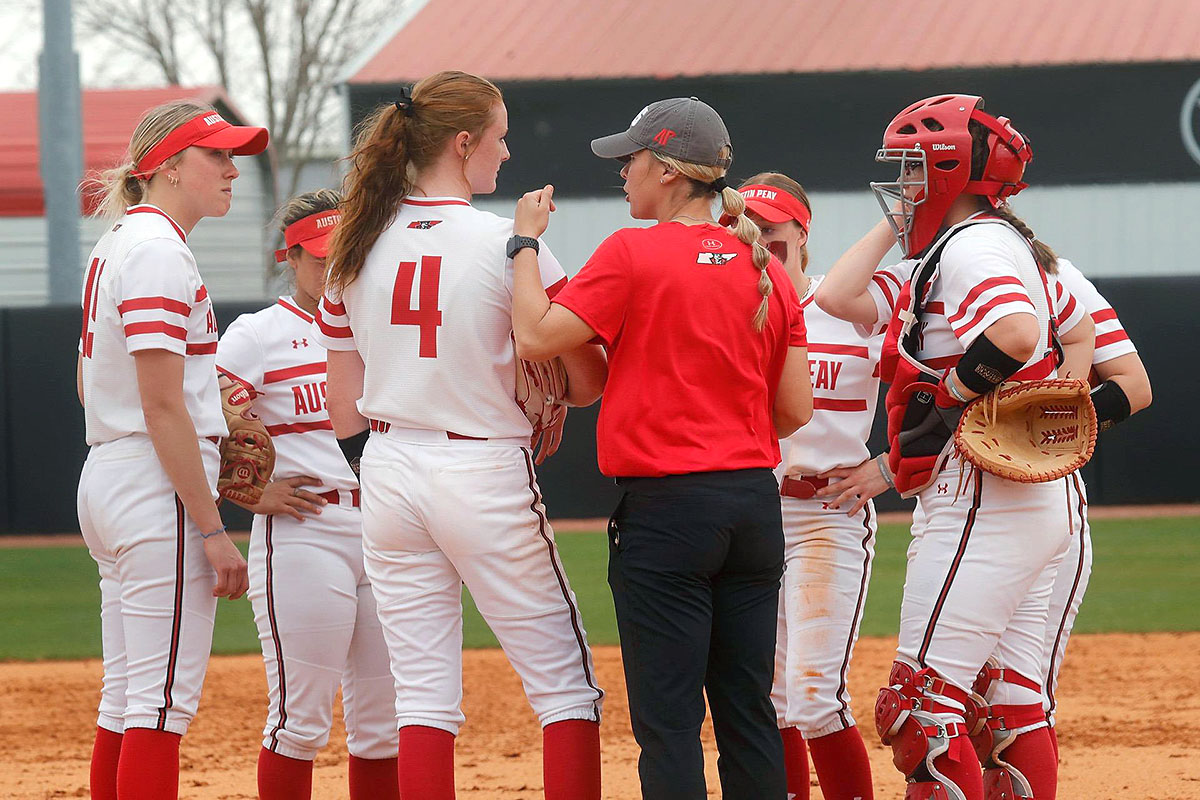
(985, 550)
(417, 318)
(827, 552)
(312, 601)
(1115, 360)
(153, 415)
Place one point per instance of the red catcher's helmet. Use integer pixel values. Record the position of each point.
(934, 135)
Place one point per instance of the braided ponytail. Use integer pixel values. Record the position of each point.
(734, 205)
(1044, 254)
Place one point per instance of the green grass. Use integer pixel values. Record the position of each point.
(1144, 579)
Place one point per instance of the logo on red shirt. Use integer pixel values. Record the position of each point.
(716, 259)
(711, 244)
(664, 136)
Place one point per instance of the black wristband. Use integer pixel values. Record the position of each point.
(1112, 406)
(984, 366)
(352, 448)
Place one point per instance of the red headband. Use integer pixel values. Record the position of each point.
(311, 232)
(208, 129)
(775, 205)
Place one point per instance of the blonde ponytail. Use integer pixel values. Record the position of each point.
(114, 190)
(734, 205)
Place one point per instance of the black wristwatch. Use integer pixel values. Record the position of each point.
(518, 243)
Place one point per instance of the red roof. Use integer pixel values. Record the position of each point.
(109, 117)
(580, 39)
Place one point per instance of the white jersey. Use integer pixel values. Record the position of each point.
(844, 366)
(431, 315)
(274, 354)
(1111, 339)
(143, 292)
(986, 272)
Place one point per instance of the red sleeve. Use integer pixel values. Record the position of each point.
(600, 293)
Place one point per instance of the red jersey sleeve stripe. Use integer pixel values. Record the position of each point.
(995, 302)
(830, 404)
(141, 328)
(883, 287)
(556, 287)
(238, 379)
(277, 375)
(1111, 338)
(333, 308)
(973, 295)
(839, 349)
(202, 349)
(145, 303)
(1069, 309)
(1104, 315)
(889, 276)
(332, 331)
(299, 427)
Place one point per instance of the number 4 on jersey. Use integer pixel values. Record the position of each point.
(426, 316)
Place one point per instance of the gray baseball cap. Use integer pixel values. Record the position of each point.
(682, 127)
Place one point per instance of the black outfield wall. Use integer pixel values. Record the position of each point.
(1146, 460)
(1089, 124)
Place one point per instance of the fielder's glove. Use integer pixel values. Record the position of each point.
(1030, 432)
(247, 454)
(541, 395)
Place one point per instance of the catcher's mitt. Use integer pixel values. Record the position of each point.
(541, 395)
(1029, 432)
(247, 454)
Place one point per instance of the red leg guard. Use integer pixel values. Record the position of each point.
(1032, 754)
(374, 779)
(283, 778)
(795, 760)
(571, 760)
(960, 766)
(106, 754)
(426, 763)
(843, 769)
(149, 766)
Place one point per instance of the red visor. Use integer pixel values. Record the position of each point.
(775, 205)
(311, 232)
(206, 130)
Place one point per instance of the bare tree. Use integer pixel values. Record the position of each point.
(281, 55)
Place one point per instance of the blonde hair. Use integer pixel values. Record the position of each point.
(394, 142)
(734, 206)
(116, 189)
(782, 182)
(305, 205)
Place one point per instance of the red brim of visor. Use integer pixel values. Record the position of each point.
(208, 130)
(312, 233)
(773, 205)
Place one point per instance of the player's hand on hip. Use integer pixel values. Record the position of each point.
(226, 560)
(853, 485)
(532, 216)
(288, 497)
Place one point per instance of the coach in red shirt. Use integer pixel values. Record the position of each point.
(707, 371)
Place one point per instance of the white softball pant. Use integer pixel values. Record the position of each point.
(156, 603)
(439, 513)
(827, 557)
(980, 570)
(1070, 584)
(317, 623)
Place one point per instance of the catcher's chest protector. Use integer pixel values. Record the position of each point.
(920, 436)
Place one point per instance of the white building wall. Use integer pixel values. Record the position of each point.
(231, 250)
(1107, 231)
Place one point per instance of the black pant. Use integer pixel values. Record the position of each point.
(694, 565)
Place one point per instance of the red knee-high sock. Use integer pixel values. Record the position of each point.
(843, 769)
(426, 763)
(795, 761)
(106, 754)
(149, 766)
(961, 765)
(571, 760)
(283, 778)
(1033, 754)
(374, 779)
(1054, 741)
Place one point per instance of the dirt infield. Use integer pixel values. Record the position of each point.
(1129, 726)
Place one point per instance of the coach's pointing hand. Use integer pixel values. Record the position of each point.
(533, 212)
(226, 560)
